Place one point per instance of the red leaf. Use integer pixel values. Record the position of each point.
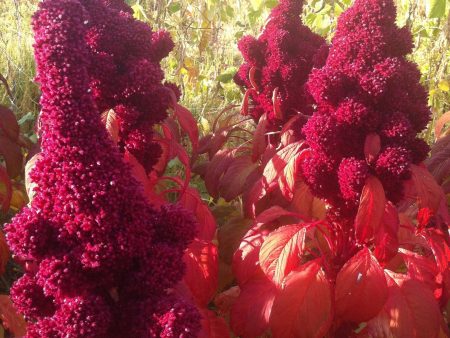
(259, 138)
(246, 257)
(201, 259)
(12, 320)
(306, 204)
(29, 185)
(251, 78)
(372, 147)
(160, 166)
(251, 312)
(218, 165)
(213, 326)
(232, 183)
(8, 124)
(4, 253)
(440, 124)
(420, 268)
(188, 124)
(253, 196)
(290, 175)
(386, 238)
(423, 186)
(361, 288)
(276, 104)
(230, 236)
(411, 309)
(371, 209)
(218, 140)
(225, 300)
(439, 162)
(275, 213)
(6, 198)
(137, 169)
(244, 107)
(303, 308)
(172, 149)
(12, 154)
(171, 129)
(204, 144)
(281, 251)
(109, 119)
(275, 167)
(439, 247)
(191, 200)
(289, 128)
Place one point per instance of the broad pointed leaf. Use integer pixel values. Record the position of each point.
(213, 326)
(109, 119)
(361, 289)
(246, 257)
(280, 160)
(11, 319)
(259, 138)
(5, 198)
(187, 123)
(251, 312)
(201, 259)
(232, 184)
(371, 209)
(372, 147)
(281, 251)
(411, 309)
(12, 155)
(303, 308)
(428, 193)
(230, 236)
(8, 124)
(386, 238)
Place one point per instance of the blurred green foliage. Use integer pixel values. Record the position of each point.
(206, 57)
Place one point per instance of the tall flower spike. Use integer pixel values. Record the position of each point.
(278, 62)
(367, 86)
(125, 74)
(95, 255)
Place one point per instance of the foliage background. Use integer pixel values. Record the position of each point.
(206, 57)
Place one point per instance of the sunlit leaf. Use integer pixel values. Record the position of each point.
(371, 209)
(251, 312)
(303, 308)
(361, 289)
(435, 8)
(281, 251)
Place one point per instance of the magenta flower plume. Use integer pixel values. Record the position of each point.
(366, 86)
(125, 74)
(280, 59)
(96, 253)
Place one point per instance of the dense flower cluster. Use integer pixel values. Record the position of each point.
(278, 62)
(367, 86)
(126, 76)
(97, 257)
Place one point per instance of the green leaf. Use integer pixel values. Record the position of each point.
(174, 7)
(27, 117)
(139, 11)
(270, 3)
(256, 4)
(444, 85)
(227, 75)
(435, 8)
(230, 11)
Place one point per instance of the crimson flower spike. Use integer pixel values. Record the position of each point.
(370, 108)
(99, 261)
(277, 64)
